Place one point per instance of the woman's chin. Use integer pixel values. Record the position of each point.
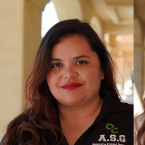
(70, 101)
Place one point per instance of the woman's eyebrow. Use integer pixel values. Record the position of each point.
(81, 56)
(77, 57)
(56, 59)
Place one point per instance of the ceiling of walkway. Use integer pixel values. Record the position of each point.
(115, 13)
(118, 12)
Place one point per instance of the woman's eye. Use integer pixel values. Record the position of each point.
(56, 65)
(81, 62)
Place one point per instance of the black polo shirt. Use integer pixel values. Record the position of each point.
(113, 126)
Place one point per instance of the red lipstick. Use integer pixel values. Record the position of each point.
(71, 86)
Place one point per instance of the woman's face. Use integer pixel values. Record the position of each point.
(75, 75)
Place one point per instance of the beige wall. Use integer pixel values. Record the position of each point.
(11, 60)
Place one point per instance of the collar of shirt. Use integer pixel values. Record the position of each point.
(110, 105)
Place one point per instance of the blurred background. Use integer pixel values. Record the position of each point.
(24, 23)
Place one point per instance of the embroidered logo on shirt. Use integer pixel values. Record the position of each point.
(113, 139)
(111, 127)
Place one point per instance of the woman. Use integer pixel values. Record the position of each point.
(139, 130)
(73, 94)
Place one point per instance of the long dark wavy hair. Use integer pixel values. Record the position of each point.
(140, 134)
(39, 123)
(141, 131)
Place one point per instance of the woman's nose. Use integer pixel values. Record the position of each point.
(70, 72)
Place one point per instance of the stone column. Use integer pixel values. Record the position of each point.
(68, 9)
(138, 70)
(138, 67)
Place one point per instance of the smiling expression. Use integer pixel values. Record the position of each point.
(75, 75)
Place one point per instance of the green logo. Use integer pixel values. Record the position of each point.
(111, 127)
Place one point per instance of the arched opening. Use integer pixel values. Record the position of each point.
(49, 18)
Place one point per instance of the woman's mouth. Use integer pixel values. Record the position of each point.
(71, 86)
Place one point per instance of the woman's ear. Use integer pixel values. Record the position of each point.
(102, 75)
(102, 78)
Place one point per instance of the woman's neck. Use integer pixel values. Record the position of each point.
(80, 114)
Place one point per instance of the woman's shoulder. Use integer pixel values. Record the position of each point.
(115, 106)
(120, 106)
